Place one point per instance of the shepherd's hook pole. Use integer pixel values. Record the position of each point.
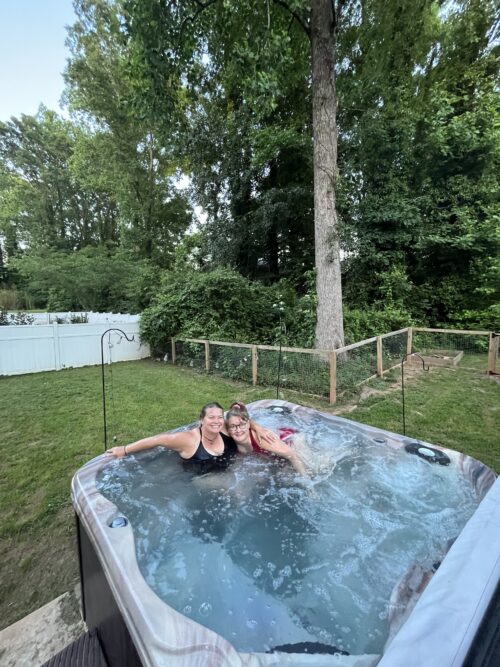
(279, 363)
(410, 354)
(103, 383)
(280, 311)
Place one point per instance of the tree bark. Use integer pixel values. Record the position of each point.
(329, 323)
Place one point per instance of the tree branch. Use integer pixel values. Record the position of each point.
(337, 11)
(201, 7)
(303, 24)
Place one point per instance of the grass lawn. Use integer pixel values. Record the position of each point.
(51, 423)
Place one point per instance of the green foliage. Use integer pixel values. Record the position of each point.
(222, 91)
(96, 279)
(15, 318)
(219, 305)
(362, 324)
(124, 156)
(484, 320)
(242, 124)
(420, 197)
(10, 299)
(41, 203)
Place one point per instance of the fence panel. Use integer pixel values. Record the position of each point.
(85, 317)
(394, 347)
(356, 365)
(469, 349)
(231, 361)
(330, 374)
(190, 353)
(300, 371)
(47, 347)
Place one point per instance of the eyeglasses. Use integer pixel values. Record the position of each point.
(237, 427)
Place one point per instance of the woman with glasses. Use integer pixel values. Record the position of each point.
(205, 448)
(251, 441)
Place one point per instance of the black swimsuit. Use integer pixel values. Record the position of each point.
(202, 461)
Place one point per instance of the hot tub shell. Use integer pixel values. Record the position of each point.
(136, 627)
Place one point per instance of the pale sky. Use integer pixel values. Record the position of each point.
(32, 54)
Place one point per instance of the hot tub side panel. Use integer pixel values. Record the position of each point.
(100, 610)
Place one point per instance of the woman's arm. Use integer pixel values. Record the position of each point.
(175, 441)
(286, 452)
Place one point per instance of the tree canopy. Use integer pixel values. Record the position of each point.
(343, 152)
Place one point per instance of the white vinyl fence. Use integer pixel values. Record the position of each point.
(91, 317)
(30, 349)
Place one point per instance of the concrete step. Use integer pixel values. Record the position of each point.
(39, 636)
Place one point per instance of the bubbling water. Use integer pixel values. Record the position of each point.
(265, 558)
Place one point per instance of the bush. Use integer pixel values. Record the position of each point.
(10, 299)
(223, 305)
(362, 324)
(487, 319)
(97, 279)
(217, 305)
(15, 318)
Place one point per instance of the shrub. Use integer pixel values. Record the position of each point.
(15, 318)
(10, 299)
(218, 305)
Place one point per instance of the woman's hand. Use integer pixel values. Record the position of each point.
(117, 452)
(264, 434)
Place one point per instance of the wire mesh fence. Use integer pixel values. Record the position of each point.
(330, 374)
(451, 348)
(190, 353)
(231, 361)
(394, 348)
(301, 371)
(356, 365)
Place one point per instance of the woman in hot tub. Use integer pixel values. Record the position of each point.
(204, 448)
(209, 447)
(243, 432)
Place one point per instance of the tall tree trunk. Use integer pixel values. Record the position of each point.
(329, 324)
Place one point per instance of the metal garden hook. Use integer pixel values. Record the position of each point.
(102, 378)
(424, 367)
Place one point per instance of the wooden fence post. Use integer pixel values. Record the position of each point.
(380, 366)
(173, 350)
(409, 341)
(333, 378)
(207, 355)
(493, 352)
(254, 365)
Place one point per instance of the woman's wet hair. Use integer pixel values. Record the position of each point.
(238, 410)
(207, 407)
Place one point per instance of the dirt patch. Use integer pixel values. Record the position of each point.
(37, 566)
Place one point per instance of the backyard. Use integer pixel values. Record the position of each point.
(51, 423)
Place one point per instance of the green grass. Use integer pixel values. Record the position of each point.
(452, 407)
(51, 423)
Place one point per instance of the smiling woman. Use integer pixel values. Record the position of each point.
(247, 441)
(205, 448)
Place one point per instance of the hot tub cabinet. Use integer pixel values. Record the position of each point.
(450, 624)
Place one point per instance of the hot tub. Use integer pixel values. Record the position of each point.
(344, 563)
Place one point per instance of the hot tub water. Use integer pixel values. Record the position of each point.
(266, 559)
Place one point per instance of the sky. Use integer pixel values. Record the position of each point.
(32, 54)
